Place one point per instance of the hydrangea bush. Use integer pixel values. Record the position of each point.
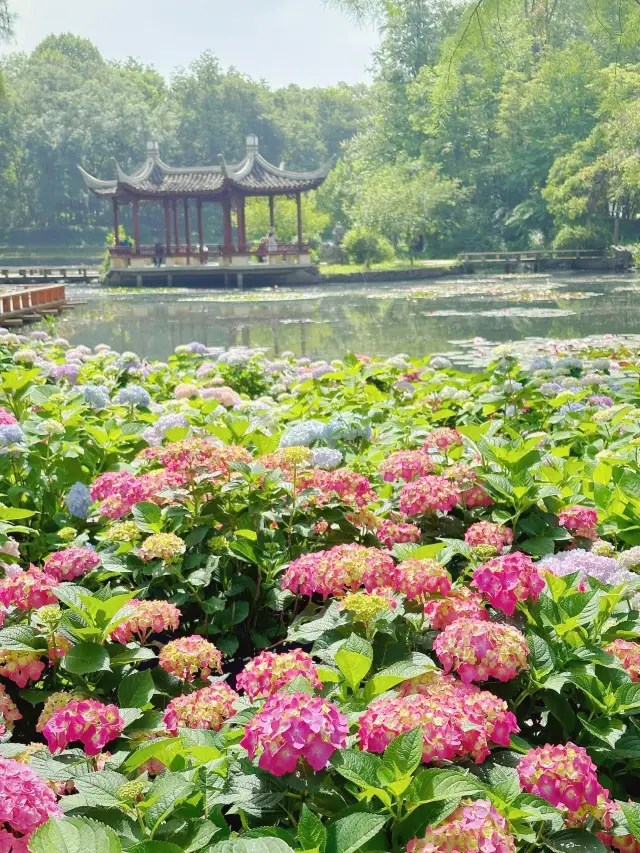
(264, 605)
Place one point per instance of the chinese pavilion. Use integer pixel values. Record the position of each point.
(226, 184)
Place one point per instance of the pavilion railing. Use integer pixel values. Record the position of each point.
(255, 249)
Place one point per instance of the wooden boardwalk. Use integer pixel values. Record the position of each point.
(539, 259)
(30, 304)
(42, 275)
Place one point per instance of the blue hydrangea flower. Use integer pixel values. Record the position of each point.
(96, 396)
(570, 407)
(304, 434)
(197, 348)
(550, 389)
(439, 362)
(78, 500)
(133, 395)
(10, 434)
(511, 386)
(604, 569)
(326, 457)
(540, 363)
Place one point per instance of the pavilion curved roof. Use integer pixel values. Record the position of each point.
(253, 175)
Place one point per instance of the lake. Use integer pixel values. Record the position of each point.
(325, 321)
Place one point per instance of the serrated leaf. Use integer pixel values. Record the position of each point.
(100, 789)
(155, 847)
(433, 785)
(354, 660)
(74, 835)
(631, 811)
(268, 844)
(574, 841)
(84, 658)
(136, 690)
(352, 832)
(163, 797)
(540, 654)
(358, 767)
(311, 832)
(402, 756)
(395, 674)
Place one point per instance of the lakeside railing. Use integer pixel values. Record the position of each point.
(255, 249)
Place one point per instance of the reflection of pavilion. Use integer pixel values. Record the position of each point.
(176, 188)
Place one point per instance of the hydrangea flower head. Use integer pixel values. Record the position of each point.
(367, 606)
(413, 578)
(351, 488)
(21, 666)
(53, 703)
(188, 657)
(504, 581)
(390, 533)
(407, 465)
(96, 396)
(581, 519)
(71, 563)
(27, 590)
(565, 776)
(629, 559)
(9, 712)
(86, 720)
(305, 433)
(327, 458)
(336, 571)
(207, 708)
(473, 827)
(26, 802)
(78, 500)
(427, 495)
(133, 395)
(6, 418)
(162, 546)
(628, 654)
(10, 434)
(479, 650)
(442, 439)
(294, 726)
(487, 533)
(147, 617)
(268, 672)
(605, 569)
(459, 604)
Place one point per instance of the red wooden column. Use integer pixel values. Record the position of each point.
(242, 228)
(176, 230)
(167, 225)
(227, 234)
(200, 230)
(187, 228)
(136, 225)
(299, 206)
(272, 213)
(116, 224)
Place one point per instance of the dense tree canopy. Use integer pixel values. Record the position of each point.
(524, 133)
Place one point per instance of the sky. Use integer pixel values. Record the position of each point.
(280, 41)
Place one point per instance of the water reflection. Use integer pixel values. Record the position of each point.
(380, 319)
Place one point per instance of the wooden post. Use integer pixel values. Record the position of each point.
(272, 213)
(136, 225)
(116, 224)
(176, 230)
(242, 230)
(299, 206)
(200, 230)
(187, 228)
(227, 233)
(167, 226)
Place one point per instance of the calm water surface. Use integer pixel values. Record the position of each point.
(418, 318)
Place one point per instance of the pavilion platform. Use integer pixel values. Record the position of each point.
(238, 275)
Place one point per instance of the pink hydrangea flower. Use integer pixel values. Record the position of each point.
(162, 546)
(71, 563)
(20, 667)
(188, 657)
(442, 439)
(147, 617)
(428, 494)
(390, 533)
(406, 465)
(566, 777)
(479, 650)
(6, 418)
(185, 391)
(268, 672)
(623, 843)
(459, 604)
(628, 654)
(9, 713)
(205, 709)
(27, 590)
(351, 488)
(226, 396)
(578, 518)
(26, 802)
(119, 491)
(294, 726)
(86, 720)
(504, 581)
(54, 703)
(475, 496)
(473, 827)
(487, 533)
(194, 458)
(336, 571)
(412, 578)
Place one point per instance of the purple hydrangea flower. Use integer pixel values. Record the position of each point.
(605, 569)
(78, 500)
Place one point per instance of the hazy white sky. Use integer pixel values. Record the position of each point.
(282, 41)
